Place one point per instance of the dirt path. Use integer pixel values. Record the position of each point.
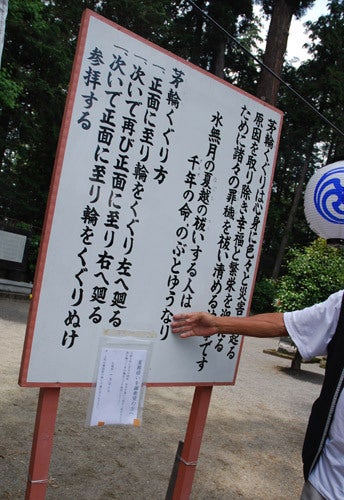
(250, 450)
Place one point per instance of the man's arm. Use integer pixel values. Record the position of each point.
(205, 324)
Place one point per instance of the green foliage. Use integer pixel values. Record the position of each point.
(299, 6)
(314, 273)
(264, 296)
(9, 90)
(36, 65)
(306, 140)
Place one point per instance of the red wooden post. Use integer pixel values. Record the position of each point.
(192, 443)
(42, 443)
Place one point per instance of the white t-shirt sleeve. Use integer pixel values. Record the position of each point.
(312, 328)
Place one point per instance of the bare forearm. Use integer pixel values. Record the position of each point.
(261, 325)
(205, 324)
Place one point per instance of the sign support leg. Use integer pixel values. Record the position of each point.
(192, 443)
(42, 443)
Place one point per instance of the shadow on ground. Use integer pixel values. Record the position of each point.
(304, 375)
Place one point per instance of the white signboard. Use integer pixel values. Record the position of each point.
(158, 205)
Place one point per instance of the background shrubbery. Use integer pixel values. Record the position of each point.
(313, 273)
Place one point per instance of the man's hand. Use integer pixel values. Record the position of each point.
(200, 324)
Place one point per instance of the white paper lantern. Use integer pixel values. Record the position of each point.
(324, 202)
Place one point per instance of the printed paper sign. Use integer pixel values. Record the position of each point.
(119, 386)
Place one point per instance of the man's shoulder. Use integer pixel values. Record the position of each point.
(336, 298)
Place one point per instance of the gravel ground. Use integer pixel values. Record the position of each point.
(250, 450)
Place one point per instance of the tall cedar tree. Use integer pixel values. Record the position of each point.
(307, 142)
(281, 12)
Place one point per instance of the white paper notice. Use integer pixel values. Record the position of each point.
(119, 386)
(12, 246)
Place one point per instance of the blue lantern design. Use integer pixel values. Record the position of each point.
(329, 196)
(324, 202)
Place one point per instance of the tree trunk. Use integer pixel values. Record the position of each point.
(276, 45)
(296, 361)
(196, 47)
(290, 222)
(291, 217)
(219, 59)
